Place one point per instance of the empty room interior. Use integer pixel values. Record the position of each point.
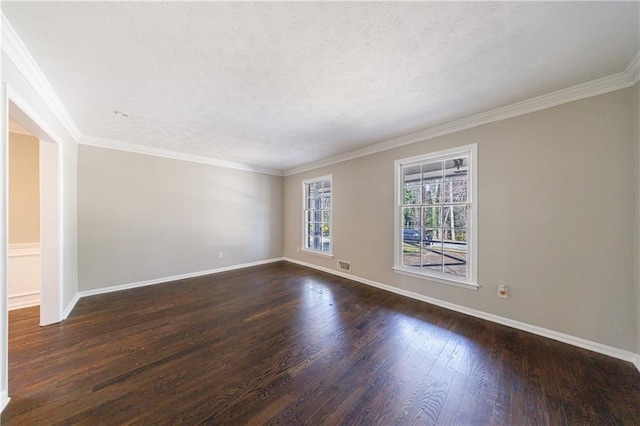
(320, 213)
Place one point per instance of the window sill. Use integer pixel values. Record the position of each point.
(317, 253)
(441, 280)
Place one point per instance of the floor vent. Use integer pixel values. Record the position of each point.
(345, 266)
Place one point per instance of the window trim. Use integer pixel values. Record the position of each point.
(303, 247)
(470, 282)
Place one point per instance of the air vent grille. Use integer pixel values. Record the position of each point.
(345, 266)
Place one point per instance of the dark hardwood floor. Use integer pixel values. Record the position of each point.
(284, 344)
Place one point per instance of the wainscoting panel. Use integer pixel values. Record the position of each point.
(24, 275)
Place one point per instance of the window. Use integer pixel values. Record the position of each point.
(317, 196)
(436, 216)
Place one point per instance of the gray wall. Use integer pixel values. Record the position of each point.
(556, 219)
(142, 217)
(636, 115)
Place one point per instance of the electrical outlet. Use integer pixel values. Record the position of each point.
(503, 291)
(220, 255)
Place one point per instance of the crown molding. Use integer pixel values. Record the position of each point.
(633, 70)
(174, 155)
(20, 56)
(22, 59)
(619, 81)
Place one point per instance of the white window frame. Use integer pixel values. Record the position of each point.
(471, 281)
(303, 246)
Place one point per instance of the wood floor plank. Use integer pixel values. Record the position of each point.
(284, 344)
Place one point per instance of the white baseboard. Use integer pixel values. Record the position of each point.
(561, 337)
(70, 306)
(121, 287)
(24, 300)
(4, 400)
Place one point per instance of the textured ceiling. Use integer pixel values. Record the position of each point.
(279, 85)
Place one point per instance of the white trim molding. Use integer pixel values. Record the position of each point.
(551, 334)
(24, 114)
(4, 400)
(70, 306)
(471, 153)
(165, 153)
(305, 197)
(22, 59)
(24, 300)
(20, 56)
(162, 280)
(629, 77)
(4, 242)
(633, 70)
(23, 269)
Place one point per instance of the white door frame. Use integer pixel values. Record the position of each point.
(52, 231)
(4, 249)
(51, 203)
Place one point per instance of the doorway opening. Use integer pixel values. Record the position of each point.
(50, 169)
(48, 172)
(23, 262)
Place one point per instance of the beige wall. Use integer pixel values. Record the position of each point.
(24, 189)
(143, 217)
(556, 219)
